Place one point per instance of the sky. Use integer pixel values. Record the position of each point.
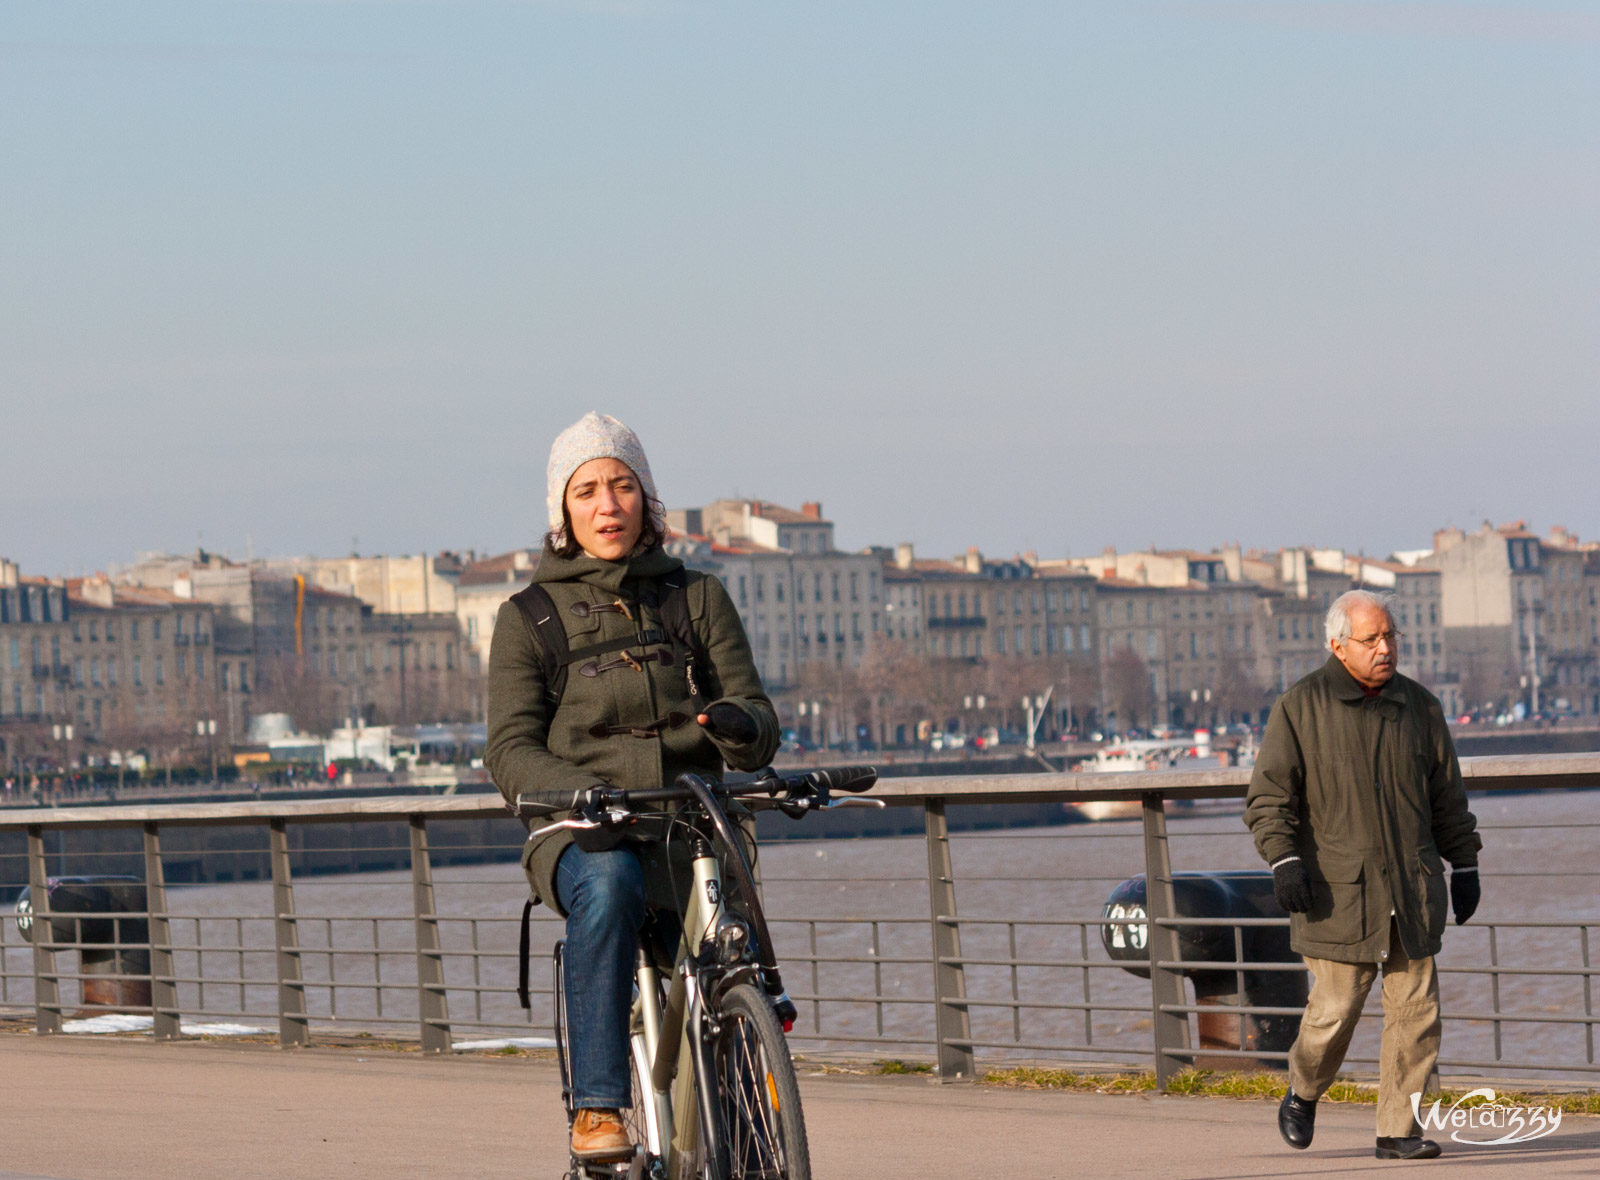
(311, 278)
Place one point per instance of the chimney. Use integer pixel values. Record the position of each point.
(811, 510)
(8, 572)
(904, 555)
(972, 561)
(1232, 562)
(1108, 562)
(1449, 538)
(97, 590)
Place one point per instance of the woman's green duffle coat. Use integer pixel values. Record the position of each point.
(546, 754)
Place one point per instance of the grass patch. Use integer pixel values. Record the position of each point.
(896, 1066)
(1207, 1083)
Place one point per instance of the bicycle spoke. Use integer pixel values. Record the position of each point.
(750, 1105)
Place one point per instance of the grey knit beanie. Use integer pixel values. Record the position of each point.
(595, 436)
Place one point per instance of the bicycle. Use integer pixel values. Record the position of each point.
(735, 1112)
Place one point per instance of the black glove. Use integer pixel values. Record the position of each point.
(1291, 885)
(593, 805)
(729, 723)
(1465, 893)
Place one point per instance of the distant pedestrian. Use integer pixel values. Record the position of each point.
(1355, 797)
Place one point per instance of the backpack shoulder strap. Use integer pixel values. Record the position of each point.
(673, 603)
(549, 637)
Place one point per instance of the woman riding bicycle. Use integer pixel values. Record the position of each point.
(658, 680)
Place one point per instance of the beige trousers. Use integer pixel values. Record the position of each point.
(1410, 1044)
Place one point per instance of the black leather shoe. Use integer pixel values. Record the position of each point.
(1296, 1120)
(1412, 1147)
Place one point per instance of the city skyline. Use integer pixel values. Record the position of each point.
(1548, 530)
(1036, 277)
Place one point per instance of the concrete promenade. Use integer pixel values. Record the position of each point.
(77, 1108)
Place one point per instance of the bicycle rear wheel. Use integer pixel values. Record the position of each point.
(762, 1127)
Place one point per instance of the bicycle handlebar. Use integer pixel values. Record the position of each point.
(811, 790)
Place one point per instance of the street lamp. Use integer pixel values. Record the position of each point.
(63, 734)
(208, 730)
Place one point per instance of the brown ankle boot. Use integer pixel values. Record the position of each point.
(600, 1135)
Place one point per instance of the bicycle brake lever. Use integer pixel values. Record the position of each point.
(852, 801)
(563, 825)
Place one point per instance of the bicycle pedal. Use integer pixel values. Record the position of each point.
(636, 1165)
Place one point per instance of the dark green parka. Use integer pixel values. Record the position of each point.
(1367, 791)
(548, 755)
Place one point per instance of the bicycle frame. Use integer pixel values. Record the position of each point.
(669, 1033)
(717, 952)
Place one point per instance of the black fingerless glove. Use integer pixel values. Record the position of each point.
(1291, 885)
(1465, 893)
(729, 723)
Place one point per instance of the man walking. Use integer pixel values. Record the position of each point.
(1355, 797)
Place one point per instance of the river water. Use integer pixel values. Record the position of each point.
(1034, 895)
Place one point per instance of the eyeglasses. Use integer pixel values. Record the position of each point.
(1371, 641)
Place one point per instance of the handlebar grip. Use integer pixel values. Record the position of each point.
(847, 779)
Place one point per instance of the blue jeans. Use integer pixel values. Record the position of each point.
(603, 894)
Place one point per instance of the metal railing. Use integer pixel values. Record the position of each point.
(877, 955)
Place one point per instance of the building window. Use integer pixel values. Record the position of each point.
(222, 674)
(160, 671)
(138, 673)
(199, 665)
(155, 629)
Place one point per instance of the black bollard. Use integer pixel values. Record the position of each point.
(1241, 894)
(87, 911)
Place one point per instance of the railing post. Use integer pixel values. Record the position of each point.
(46, 984)
(1170, 1029)
(952, 1024)
(163, 974)
(293, 1026)
(432, 1007)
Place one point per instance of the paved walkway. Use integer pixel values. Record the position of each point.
(75, 1109)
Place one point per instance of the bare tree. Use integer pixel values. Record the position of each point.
(1128, 689)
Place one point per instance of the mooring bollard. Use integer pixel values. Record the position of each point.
(1241, 894)
(87, 911)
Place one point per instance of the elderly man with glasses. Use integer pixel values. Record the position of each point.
(1356, 801)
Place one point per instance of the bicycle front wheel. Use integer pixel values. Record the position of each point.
(762, 1127)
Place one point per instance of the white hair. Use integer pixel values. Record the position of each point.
(1337, 623)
